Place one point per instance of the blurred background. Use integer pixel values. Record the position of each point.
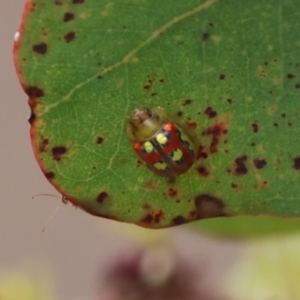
(74, 245)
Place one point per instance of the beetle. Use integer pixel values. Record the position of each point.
(161, 144)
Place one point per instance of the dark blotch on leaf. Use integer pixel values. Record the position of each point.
(32, 117)
(290, 76)
(222, 76)
(187, 102)
(69, 37)
(179, 220)
(229, 101)
(209, 206)
(297, 163)
(240, 165)
(43, 145)
(59, 3)
(215, 131)
(41, 48)
(203, 171)
(172, 192)
(50, 175)
(58, 151)
(179, 113)
(254, 127)
(34, 92)
(297, 86)
(100, 140)
(210, 112)
(68, 17)
(78, 1)
(205, 36)
(148, 219)
(259, 163)
(102, 197)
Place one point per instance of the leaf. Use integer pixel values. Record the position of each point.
(229, 70)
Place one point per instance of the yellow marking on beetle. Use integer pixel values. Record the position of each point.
(148, 147)
(177, 155)
(160, 165)
(161, 139)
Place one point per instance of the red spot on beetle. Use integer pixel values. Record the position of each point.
(215, 132)
(259, 163)
(210, 112)
(69, 37)
(41, 48)
(58, 152)
(103, 196)
(240, 167)
(297, 163)
(68, 16)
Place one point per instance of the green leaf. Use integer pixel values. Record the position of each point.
(228, 69)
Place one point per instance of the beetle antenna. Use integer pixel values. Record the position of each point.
(63, 201)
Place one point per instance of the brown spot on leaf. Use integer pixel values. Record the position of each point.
(203, 171)
(103, 196)
(222, 76)
(172, 192)
(58, 3)
(146, 206)
(69, 37)
(205, 36)
(215, 132)
(50, 175)
(58, 151)
(32, 117)
(283, 115)
(297, 163)
(209, 206)
(179, 220)
(254, 127)
(99, 140)
(240, 167)
(179, 113)
(229, 100)
(147, 219)
(68, 16)
(210, 112)
(290, 76)
(34, 92)
(43, 145)
(297, 86)
(41, 48)
(78, 1)
(259, 163)
(187, 102)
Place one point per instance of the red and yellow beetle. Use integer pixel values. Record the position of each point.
(161, 144)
